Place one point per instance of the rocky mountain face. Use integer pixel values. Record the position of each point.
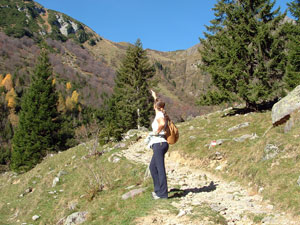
(80, 56)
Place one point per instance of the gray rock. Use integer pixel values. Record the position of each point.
(60, 173)
(239, 126)
(218, 156)
(181, 213)
(133, 193)
(120, 145)
(218, 207)
(289, 125)
(35, 217)
(282, 110)
(130, 187)
(221, 141)
(192, 137)
(245, 137)
(267, 219)
(270, 151)
(55, 181)
(76, 218)
(298, 181)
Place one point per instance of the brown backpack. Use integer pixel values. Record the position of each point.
(171, 132)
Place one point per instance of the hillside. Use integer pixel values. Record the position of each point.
(249, 180)
(85, 59)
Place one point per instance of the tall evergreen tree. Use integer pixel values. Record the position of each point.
(131, 104)
(36, 131)
(292, 77)
(244, 52)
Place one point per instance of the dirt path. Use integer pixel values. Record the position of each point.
(191, 188)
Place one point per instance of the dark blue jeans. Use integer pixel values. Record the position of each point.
(158, 170)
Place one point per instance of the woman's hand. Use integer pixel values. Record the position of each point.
(153, 94)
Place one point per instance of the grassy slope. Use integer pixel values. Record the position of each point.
(243, 161)
(78, 186)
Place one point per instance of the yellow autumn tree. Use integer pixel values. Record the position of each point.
(13, 119)
(1, 78)
(69, 104)
(7, 82)
(53, 81)
(68, 85)
(11, 99)
(61, 106)
(72, 101)
(74, 97)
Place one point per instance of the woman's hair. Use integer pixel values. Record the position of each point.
(160, 105)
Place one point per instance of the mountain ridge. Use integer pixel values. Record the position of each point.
(95, 59)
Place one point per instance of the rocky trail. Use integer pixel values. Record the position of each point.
(191, 187)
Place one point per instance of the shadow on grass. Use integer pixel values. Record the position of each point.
(179, 193)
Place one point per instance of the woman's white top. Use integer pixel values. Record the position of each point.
(160, 137)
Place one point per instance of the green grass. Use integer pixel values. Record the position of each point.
(244, 161)
(78, 185)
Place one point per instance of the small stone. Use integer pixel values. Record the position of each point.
(60, 173)
(28, 190)
(120, 145)
(74, 156)
(192, 137)
(298, 181)
(133, 193)
(266, 219)
(219, 168)
(270, 151)
(191, 128)
(245, 137)
(260, 190)
(35, 217)
(76, 218)
(270, 207)
(130, 187)
(55, 181)
(181, 213)
(116, 160)
(239, 126)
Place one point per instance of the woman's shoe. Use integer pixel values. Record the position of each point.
(154, 196)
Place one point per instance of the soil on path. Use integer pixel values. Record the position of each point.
(191, 188)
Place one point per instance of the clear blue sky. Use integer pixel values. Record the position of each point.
(163, 25)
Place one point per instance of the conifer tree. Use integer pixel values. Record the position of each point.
(36, 131)
(244, 51)
(292, 77)
(131, 103)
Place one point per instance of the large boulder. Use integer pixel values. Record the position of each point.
(283, 109)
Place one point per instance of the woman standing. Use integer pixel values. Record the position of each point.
(160, 146)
